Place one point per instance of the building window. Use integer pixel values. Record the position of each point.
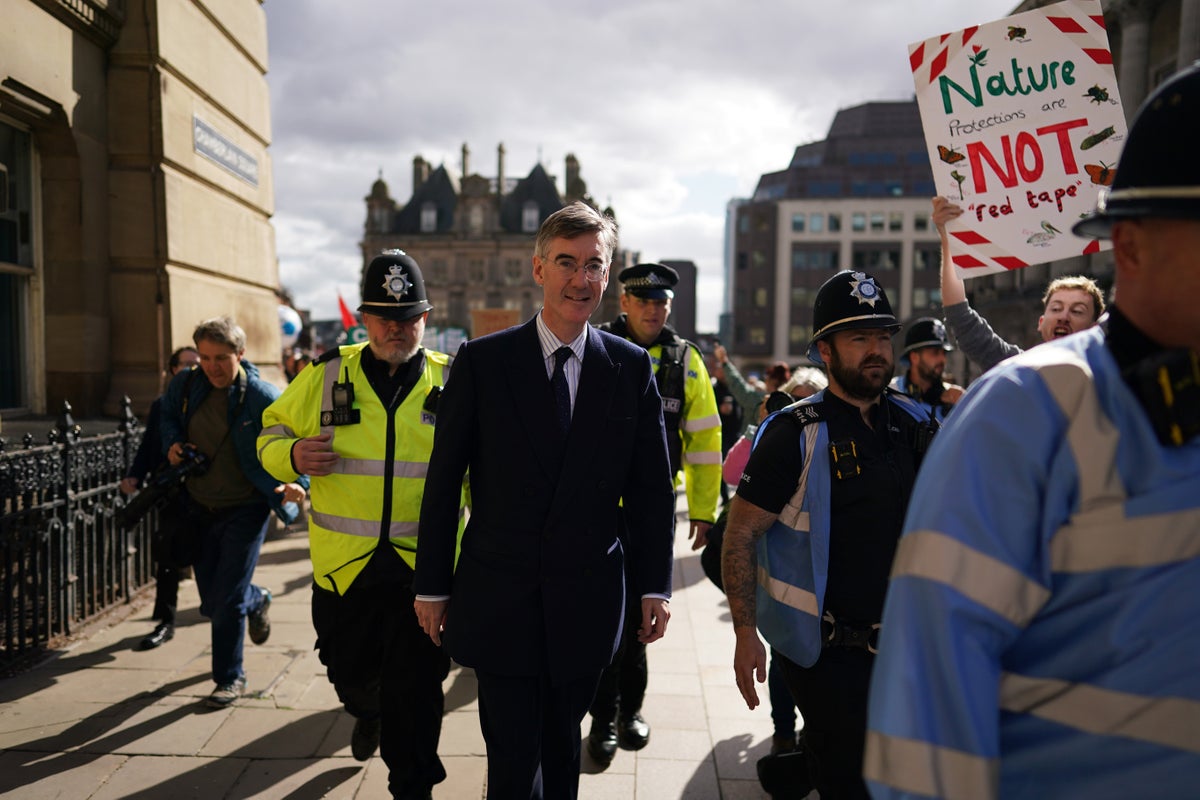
(475, 220)
(758, 259)
(758, 336)
(816, 222)
(876, 257)
(16, 260)
(858, 222)
(920, 222)
(920, 298)
(760, 297)
(835, 223)
(810, 257)
(798, 223)
(896, 221)
(742, 260)
(428, 218)
(926, 257)
(475, 270)
(798, 335)
(876, 222)
(514, 268)
(529, 217)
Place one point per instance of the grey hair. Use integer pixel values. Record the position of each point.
(222, 330)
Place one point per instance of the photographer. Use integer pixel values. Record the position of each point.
(217, 409)
(148, 459)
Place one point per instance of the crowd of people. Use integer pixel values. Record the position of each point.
(964, 593)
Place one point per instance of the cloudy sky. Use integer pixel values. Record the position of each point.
(672, 108)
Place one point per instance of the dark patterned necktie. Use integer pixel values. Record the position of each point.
(562, 392)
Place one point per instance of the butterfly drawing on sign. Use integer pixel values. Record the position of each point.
(1016, 34)
(1101, 174)
(949, 154)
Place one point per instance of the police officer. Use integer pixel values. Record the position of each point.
(925, 348)
(360, 422)
(694, 444)
(1042, 625)
(823, 498)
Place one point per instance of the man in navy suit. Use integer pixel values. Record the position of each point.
(555, 442)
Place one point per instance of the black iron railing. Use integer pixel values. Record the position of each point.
(65, 558)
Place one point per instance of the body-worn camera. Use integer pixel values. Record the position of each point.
(163, 486)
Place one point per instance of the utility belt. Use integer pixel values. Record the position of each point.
(835, 633)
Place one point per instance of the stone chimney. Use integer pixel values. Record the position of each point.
(420, 173)
(500, 171)
(466, 160)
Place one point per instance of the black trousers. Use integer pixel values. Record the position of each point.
(385, 667)
(531, 728)
(623, 682)
(832, 696)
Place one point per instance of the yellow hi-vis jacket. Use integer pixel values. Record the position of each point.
(377, 484)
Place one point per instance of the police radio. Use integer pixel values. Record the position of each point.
(1168, 386)
(343, 412)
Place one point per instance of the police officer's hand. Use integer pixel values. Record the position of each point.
(431, 614)
(952, 394)
(749, 663)
(655, 614)
(292, 492)
(314, 455)
(698, 533)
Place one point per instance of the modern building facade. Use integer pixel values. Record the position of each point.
(137, 194)
(859, 199)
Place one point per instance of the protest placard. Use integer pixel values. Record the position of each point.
(1024, 126)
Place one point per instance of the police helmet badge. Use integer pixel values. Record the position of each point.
(396, 283)
(863, 289)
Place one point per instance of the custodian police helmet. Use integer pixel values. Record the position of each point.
(849, 300)
(926, 332)
(650, 281)
(393, 287)
(1158, 174)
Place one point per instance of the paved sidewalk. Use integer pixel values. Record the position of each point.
(105, 721)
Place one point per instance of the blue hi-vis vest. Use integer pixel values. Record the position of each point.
(793, 555)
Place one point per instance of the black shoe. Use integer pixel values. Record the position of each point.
(365, 739)
(260, 623)
(783, 743)
(161, 633)
(602, 742)
(634, 732)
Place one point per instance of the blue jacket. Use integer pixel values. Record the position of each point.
(253, 395)
(793, 555)
(938, 411)
(1041, 635)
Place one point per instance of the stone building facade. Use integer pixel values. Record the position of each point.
(473, 235)
(137, 194)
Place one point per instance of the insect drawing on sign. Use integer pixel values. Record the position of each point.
(1043, 237)
(1101, 174)
(959, 178)
(1096, 138)
(1097, 94)
(1016, 34)
(949, 155)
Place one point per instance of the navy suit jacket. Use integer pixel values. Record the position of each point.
(540, 582)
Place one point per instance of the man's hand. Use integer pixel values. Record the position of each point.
(943, 212)
(129, 485)
(720, 354)
(655, 613)
(431, 614)
(292, 492)
(698, 533)
(952, 394)
(314, 455)
(749, 662)
(175, 454)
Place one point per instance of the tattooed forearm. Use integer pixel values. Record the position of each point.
(739, 565)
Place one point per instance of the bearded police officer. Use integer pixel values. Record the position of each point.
(822, 499)
(1042, 628)
(925, 348)
(694, 443)
(360, 422)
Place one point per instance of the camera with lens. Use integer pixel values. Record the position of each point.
(163, 486)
